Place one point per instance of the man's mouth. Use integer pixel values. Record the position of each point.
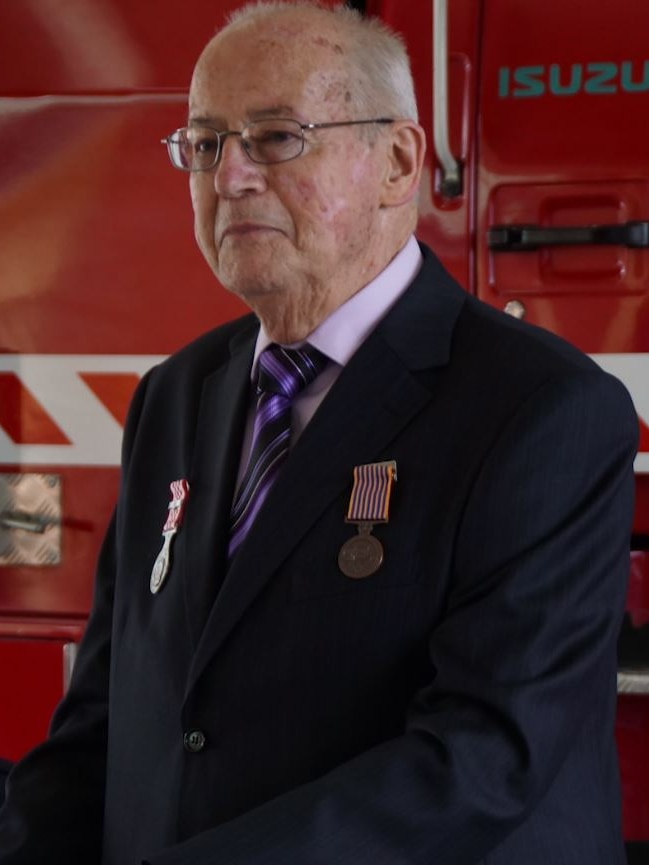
(244, 229)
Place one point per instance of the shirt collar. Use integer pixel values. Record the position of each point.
(343, 332)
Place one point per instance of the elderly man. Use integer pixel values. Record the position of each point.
(376, 623)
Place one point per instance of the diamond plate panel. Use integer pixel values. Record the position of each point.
(30, 519)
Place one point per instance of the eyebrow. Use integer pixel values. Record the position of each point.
(272, 111)
(257, 114)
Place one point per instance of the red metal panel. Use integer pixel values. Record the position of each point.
(445, 223)
(633, 748)
(31, 671)
(23, 417)
(104, 46)
(574, 290)
(93, 194)
(553, 157)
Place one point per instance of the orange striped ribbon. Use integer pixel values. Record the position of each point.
(370, 498)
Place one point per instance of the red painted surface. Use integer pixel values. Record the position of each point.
(633, 748)
(22, 417)
(115, 391)
(97, 256)
(31, 670)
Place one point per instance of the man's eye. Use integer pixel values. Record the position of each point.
(204, 145)
(275, 136)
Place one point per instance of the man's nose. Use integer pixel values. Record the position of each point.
(235, 174)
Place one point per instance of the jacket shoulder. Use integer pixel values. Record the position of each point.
(208, 351)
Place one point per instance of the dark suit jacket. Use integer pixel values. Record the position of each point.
(457, 707)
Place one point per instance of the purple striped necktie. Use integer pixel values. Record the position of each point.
(283, 373)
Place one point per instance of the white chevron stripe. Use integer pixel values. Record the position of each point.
(54, 380)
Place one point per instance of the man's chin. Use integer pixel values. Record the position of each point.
(249, 286)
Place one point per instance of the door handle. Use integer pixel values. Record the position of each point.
(527, 238)
(633, 682)
(451, 182)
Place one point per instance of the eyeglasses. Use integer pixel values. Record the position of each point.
(198, 148)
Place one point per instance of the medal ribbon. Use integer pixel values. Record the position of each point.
(179, 493)
(370, 498)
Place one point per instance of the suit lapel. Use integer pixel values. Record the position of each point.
(221, 420)
(376, 395)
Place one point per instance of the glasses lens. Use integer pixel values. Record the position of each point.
(269, 141)
(194, 149)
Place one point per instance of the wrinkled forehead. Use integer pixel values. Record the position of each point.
(278, 61)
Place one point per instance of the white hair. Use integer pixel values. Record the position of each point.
(381, 82)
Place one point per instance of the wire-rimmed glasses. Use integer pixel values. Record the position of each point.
(266, 142)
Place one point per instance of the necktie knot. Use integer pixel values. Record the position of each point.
(287, 371)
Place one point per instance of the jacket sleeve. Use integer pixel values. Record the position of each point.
(524, 654)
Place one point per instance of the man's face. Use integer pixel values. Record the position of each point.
(302, 233)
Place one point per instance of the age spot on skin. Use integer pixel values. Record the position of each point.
(323, 42)
(335, 91)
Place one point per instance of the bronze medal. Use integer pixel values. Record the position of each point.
(360, 556)
(369, 503)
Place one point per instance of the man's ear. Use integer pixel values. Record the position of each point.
(405, 155)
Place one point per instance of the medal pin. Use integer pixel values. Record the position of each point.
(369, 503)
(176, 509)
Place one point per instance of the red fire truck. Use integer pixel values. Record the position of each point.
(535, 195)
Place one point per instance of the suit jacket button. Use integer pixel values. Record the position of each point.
(194, 741)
